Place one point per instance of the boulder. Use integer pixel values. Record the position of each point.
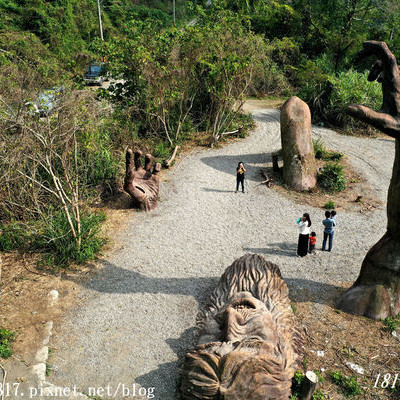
(299, 168)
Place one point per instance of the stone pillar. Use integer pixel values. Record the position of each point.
(299, 168)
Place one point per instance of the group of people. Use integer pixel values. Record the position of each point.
(308, 239)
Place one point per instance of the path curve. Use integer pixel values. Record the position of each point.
(137, 316)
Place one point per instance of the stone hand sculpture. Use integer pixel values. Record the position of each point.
(376, 292)
(142, 184)
(248, 343)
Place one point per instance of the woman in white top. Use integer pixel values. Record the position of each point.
(304, 232)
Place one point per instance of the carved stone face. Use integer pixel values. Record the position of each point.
(142, 184)
(248, 341)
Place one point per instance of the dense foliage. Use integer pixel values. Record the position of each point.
(170, 81)
(176, 81)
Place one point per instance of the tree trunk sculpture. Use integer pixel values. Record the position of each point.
(142, 184)
(248, 342)
(376, 292)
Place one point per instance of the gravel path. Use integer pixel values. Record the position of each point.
(137, 316)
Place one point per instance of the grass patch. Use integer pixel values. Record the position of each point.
(48, 369)
(54, 239)
(330, 205)
(331, 178)
(14, 236)
(347, 384)
(322, 153)
(59, 245)
(6, 338)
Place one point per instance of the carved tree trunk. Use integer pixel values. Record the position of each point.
(376, 292)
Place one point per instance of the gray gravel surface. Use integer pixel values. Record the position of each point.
(136, 317)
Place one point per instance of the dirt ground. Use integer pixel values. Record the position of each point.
(345, 200)
(25, 289)
(345, 339)
(341, 337)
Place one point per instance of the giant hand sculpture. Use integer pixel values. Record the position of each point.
(376, 292)
(249, 345)
(140, 183)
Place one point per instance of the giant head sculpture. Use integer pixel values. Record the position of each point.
(248, 341)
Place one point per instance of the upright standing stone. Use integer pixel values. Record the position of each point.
(299, 168)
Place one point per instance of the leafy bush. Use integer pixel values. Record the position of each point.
(322, 153)
(14, 236)
(319, 395)
(296, 384)
(6, 338)
(329, 205)
(328, 95)
(391, 323)
(61, 248)
(348, 385)
(331, 178)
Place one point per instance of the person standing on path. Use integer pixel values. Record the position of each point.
(240, 170)
(329, 230)
(304, 224)
(313, 241)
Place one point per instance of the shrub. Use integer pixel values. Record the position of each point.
(319, 395)
(162, 150)
(348, 385)
(296, 384)
(6, 338)
(322, 153)
(331, 178)
(330, 205)
(14, 236)
(328, 95)
(61, 247)
(97, 163)
(391, 323)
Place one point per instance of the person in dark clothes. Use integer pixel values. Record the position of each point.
(329, 229)
(313, 241)
(240, 170)
(334, 216)
(304, 224)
